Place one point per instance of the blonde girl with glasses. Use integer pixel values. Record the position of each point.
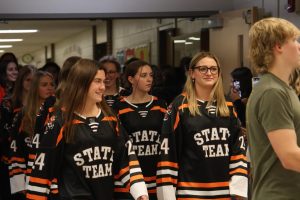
(202, 148)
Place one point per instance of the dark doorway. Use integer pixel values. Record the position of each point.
(166, 47)
(100, 50)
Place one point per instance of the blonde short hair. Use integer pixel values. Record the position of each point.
(264, 35)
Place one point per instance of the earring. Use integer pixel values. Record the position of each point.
(193, 80)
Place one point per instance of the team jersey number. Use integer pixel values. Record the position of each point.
(242, 140)
(36, 140)
(129, 147)
(13, 145)
(40, 161)
(165, 146)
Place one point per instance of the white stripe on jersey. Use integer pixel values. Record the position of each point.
(203, 193)
(151, 185)
(167, 172)
(18, 165)
(38, 189)
(235, 165)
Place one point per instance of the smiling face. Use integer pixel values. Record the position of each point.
(142, 80)
(112, 74)
(12, 71)
(97, 88)
(205, 73)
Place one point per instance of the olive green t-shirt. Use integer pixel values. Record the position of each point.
(272, 105)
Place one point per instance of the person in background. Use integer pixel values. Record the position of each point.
(295, 81)
(142, 115)
(22, 132)
(8, 106)
(84, 146)
(9, 56)
(202, 147)
(53, 69)
(273, 111)
(8, 76)
(113, 90)
(241, 87)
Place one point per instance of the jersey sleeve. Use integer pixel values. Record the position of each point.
(18, 156)
(128, 174)
(46, 165)
(238, 167)
(167, 167)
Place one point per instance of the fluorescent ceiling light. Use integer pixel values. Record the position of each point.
(11, 40)
(1, 51)
(188, 43)
(179, 41)
(194, 38)
(19, 31)
(5, 46)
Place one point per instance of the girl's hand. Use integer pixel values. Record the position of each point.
(144, 197)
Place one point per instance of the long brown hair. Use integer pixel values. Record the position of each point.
(63, 74)
(73, 97)
(18, 91)
(217, 92)
(33, 102)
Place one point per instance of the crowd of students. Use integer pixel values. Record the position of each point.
(80, 134)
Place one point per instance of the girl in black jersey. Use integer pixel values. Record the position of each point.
(22, 135)
(7, 108)
(84, 147)
(141, 115)
(202, 148)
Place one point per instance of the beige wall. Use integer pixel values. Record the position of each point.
(78, 45)
(224, 43)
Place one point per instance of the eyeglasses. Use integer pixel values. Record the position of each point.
(111, 72)
(204, 69)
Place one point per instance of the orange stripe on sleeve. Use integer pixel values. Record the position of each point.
(122, 171)
(167, 164)
(40, 180)
(166, 180)
(242, 171)
(204, 185)
(35, 197)
(136, 177)
(238, 157)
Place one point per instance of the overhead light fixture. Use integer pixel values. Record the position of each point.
(5, 46)
(179, 41)
(11, 40)
(1, 51)
(194, 38)
(188, 43)
(19, 31)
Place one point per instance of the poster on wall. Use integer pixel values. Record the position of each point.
(129, 53)
(141, 51)
(120, 56)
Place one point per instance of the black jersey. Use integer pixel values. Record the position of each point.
(143, 123)
(111, 99)
(6, 118)
(20, 143)
(202, 156)
(87, 167)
